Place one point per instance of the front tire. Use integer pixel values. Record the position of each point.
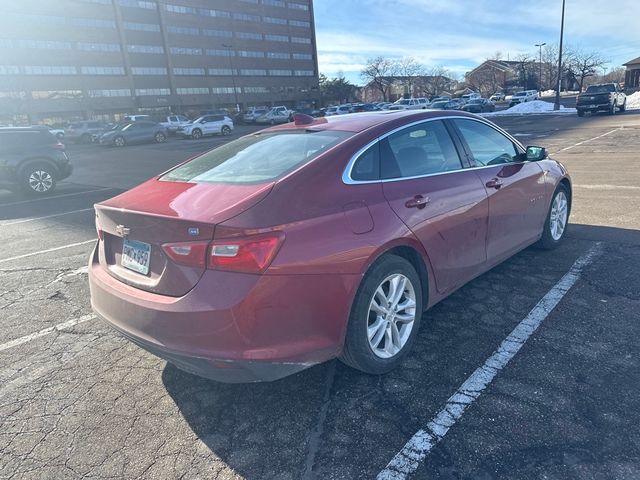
(196, 134)
(160, 137)
(119, 141)
(38, 179)
(612, 109)
(555, 226)
(385, 316)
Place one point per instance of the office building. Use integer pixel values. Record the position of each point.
(68, 59)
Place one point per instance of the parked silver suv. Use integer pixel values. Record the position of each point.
(84, 132)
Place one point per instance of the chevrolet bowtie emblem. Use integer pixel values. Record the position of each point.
(122, 230)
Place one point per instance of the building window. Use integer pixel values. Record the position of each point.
(245, 17)
(276, 38)
(15, 95)
(299, 23)
(138, 4)
(122, 92)
(50, 70)
(277, 21)
(256, 90)
(91, 22)
(222, 90)
(186, 51)
(220, 53)
(55, 94)
(98, 47)
(102, 70)
(301, 40)
(249, 35)
(280, 73)
(253, 72)
(145, 49)
(302, 56)
(183, 30)
(148, 71)
(278, 55)
(298, 6)
(192, 91)
(222, 71)
(213, 13)
(36, 44)
(9, 70)
(188, 71)
(250, 54)
(303, 73)
(273, 3)
(180, 9)
(152, 91)
(217, 33)
(141, 27)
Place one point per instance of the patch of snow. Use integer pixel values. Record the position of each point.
(536, 107)
(633, 101)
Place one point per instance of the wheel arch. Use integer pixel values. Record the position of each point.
(35, 160)
(567, 184)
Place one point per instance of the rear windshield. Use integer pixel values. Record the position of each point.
(601, 88)
(257, 158)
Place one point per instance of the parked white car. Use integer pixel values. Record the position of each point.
(207, 125)
(497, 97)
(337, 110)
(252, 114)
(408, 104)
(523, 97)
(467, 97)
(173, 122)
(274, 116)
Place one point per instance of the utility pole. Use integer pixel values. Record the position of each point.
(556, 106)
(540, 83)
(233, 75)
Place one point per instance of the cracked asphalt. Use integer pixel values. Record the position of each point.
(82, 402)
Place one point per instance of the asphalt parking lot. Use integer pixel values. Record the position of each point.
(78, 401)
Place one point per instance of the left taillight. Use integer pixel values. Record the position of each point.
(192, 254)
(58, 146)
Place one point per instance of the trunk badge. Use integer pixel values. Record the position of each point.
(194, 231)
(122, 230)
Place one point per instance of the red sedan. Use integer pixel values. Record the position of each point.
(319, 239)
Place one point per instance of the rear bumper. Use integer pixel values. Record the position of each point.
(599, 107)
(232, 327)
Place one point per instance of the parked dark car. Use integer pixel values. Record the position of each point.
(318, 239)
(607, 97)
(134, 132)
(32, 160)
(479, 105)
(84, 132)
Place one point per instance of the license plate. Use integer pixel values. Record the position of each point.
(136, 256)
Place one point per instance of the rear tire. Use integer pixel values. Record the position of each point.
(623, 107)
(38, 179)
(119, 141)
(160, 137)
(552, 237)
(225, 130)
(384, 319)
(612, 109)
(581, 113)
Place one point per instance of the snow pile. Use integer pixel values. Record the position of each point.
(548, 93)
(532, 108)
(633, 101)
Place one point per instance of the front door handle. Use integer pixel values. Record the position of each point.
(494, 183)
(418, 202)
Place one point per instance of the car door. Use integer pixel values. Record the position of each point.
(211, 126)
(444, 204)
(515, 187)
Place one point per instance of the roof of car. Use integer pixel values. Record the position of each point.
(22, 129)
(358, 122)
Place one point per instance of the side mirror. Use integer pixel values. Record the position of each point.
(535, 154)
(203, 121)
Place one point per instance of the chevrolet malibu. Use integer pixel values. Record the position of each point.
(319, 239)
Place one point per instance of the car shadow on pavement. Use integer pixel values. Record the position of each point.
(336, 422)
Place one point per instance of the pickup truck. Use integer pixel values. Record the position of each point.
(173, 122)
(606, 97)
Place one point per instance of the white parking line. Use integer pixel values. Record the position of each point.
(46, 331)
(587, 141)
(418, 447)
(53, 197)
(55, 249)
(26, 220)
(605, 186)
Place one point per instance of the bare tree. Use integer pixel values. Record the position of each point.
(584, 64)
(409, 69)
(377, 72)
(436, 80)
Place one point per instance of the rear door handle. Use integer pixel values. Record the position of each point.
(494, 183)
(417, 202)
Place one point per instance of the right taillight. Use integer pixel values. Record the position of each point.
(99, 229)
(250, 254)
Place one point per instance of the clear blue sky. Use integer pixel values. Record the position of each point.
(459, 34)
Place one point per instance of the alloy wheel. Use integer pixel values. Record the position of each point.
(40, 181)
(392, 312)
(558, 215)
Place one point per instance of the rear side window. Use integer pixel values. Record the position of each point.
(257, 158)
(487, 145)
(422, 149)
(367, 166)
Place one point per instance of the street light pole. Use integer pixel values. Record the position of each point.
(540, 84)
(233, 75)
(556, 106)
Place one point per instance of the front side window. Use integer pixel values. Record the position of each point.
(257, 158)
(487, 145)
(423, 149)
